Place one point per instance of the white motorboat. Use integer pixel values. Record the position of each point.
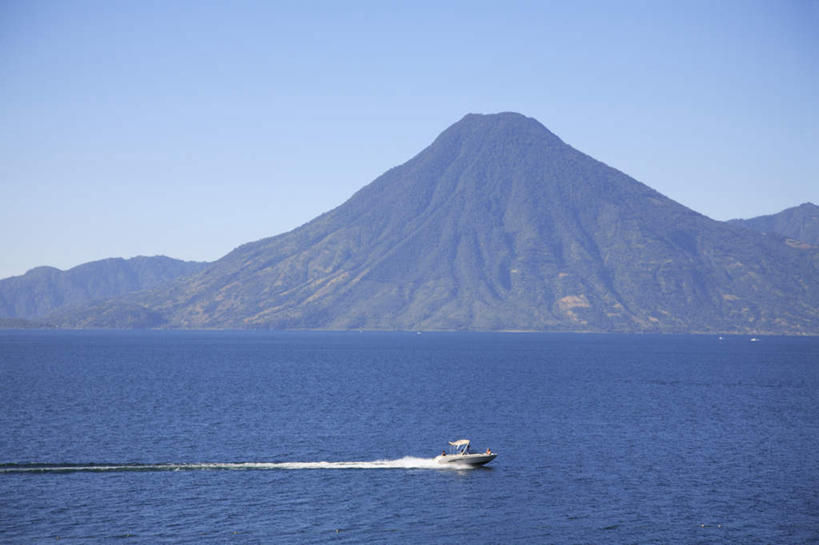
(459, 454)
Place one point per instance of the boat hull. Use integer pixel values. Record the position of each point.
(465, 459)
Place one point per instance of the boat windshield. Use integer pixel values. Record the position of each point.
(461, 446)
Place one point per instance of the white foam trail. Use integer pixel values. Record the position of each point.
(407, 462)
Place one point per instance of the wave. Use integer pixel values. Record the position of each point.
(408, 462)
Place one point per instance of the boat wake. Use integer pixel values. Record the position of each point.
(408, 462)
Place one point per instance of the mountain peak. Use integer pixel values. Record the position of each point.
(504, 127)
(500, 117)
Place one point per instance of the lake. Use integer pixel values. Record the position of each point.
(325, 437)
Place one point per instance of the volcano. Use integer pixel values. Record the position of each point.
(498, 225)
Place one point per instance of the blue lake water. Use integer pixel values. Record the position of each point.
(216, 437)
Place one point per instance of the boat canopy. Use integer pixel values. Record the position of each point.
(459, 442)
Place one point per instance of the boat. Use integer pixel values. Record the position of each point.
(459, 454)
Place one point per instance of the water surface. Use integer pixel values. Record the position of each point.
(260, 437)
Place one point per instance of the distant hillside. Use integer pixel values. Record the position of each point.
(799, 223)
(20, 323)
(497, 225)
(45, 289)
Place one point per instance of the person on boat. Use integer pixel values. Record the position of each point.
(443, 453)
(489, 451)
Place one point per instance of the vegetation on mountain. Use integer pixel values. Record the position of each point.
(20, 323)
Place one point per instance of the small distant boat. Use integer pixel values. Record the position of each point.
(754, 339)
(459, 454)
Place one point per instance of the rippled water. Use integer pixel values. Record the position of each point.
(258, 437)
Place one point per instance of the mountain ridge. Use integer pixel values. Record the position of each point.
(800, 223)
(43, 290)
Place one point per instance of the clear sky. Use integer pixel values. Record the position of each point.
(188, 128)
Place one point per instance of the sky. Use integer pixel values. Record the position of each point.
(188, 128)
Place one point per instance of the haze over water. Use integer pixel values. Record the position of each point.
(259, 437)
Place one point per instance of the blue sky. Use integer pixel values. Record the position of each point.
(188, 128)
